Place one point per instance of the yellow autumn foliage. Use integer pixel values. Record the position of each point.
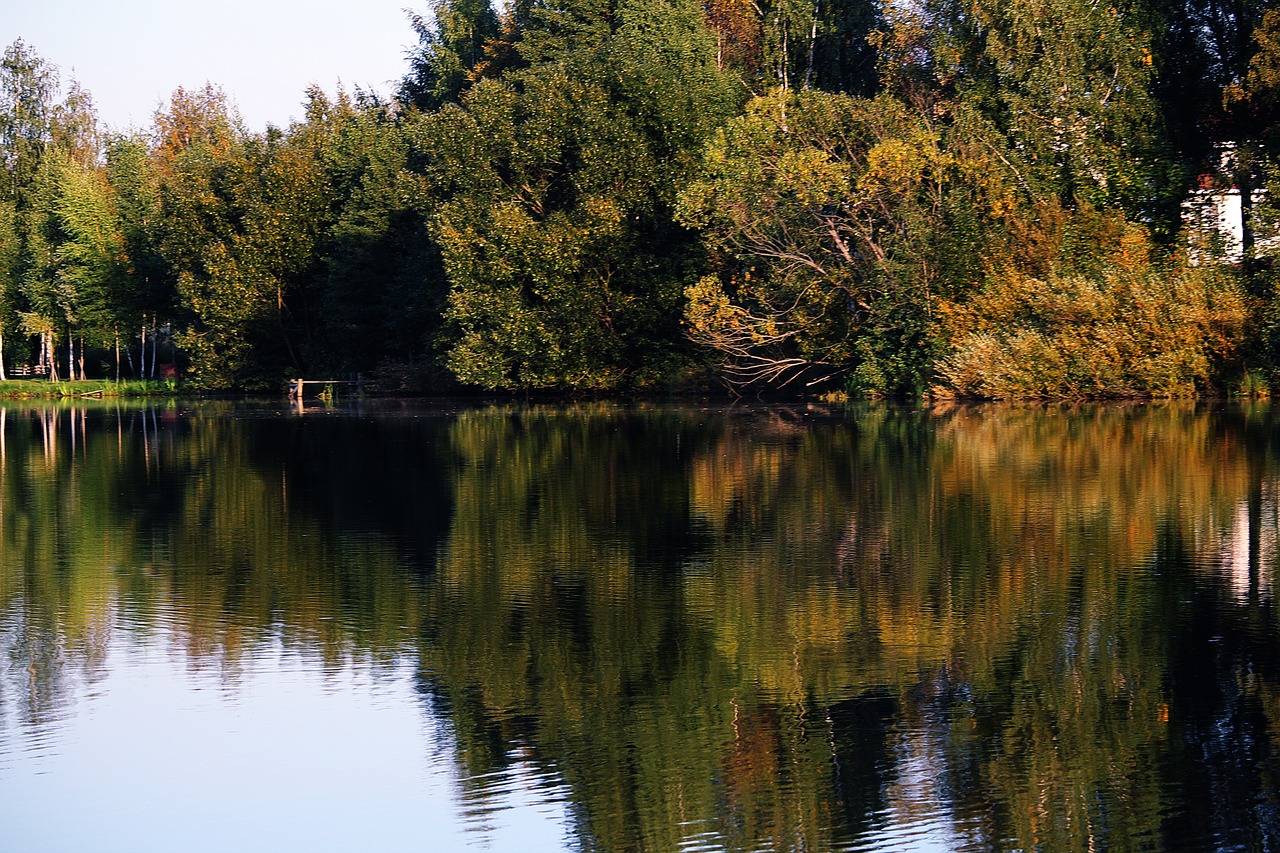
(1127, 323)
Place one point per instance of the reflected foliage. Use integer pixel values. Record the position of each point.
(1011, 627)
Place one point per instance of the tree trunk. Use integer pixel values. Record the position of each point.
(51, 356)
(142, 360)
(2, 376)
(117, 356)
(1246, 217)
(284, 331)
(813, 44)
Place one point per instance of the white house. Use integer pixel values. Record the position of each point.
(1214, 223)
(1213, 217)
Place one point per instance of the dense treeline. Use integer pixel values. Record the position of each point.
(963, 196)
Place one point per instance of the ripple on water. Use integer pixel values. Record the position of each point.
(497, 804)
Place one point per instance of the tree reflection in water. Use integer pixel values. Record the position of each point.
(981, 628)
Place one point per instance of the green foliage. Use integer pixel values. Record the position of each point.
(29, 89)
(91, 261)
(11, 258)
(243, 219)
(50, 301)
(42, 135)
(1068, 82)
(844, 217)
(451, 51)
(203, 169)
(149, 287)
(381, 289)
(545, 32)
(554, 194)
(583, 195)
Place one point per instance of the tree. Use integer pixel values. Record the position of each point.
(451, 53)
(244, 220)
(545, 31)
(550, 194)
(531, 243)
(1250, 118)
(48, 303)
(736, 25)
(383, 292)
(798, 44)
(146, 296)
(841, 56)
(1069, 83)
(10, 256)
(92, 261)
(29, 88)
(841, 221)
(203, 165)
(33, 123)
(288, 203)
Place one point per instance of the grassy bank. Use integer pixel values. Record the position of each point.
(26, 389)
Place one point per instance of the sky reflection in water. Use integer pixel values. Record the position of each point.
(287, 753)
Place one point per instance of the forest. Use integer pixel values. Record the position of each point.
(965, 198)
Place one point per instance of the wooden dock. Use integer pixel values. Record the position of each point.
(298, 388)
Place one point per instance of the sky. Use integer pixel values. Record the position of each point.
(132, 54)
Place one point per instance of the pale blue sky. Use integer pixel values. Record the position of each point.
(131, 54)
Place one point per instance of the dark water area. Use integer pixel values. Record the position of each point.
(639, 628)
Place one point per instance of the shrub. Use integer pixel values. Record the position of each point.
(1133, 325)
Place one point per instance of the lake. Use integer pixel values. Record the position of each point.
(605, 627)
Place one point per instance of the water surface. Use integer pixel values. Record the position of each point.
(614, 628)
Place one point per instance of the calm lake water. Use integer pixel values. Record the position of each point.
(639, 628)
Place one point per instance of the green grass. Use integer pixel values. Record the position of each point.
(26, 389)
